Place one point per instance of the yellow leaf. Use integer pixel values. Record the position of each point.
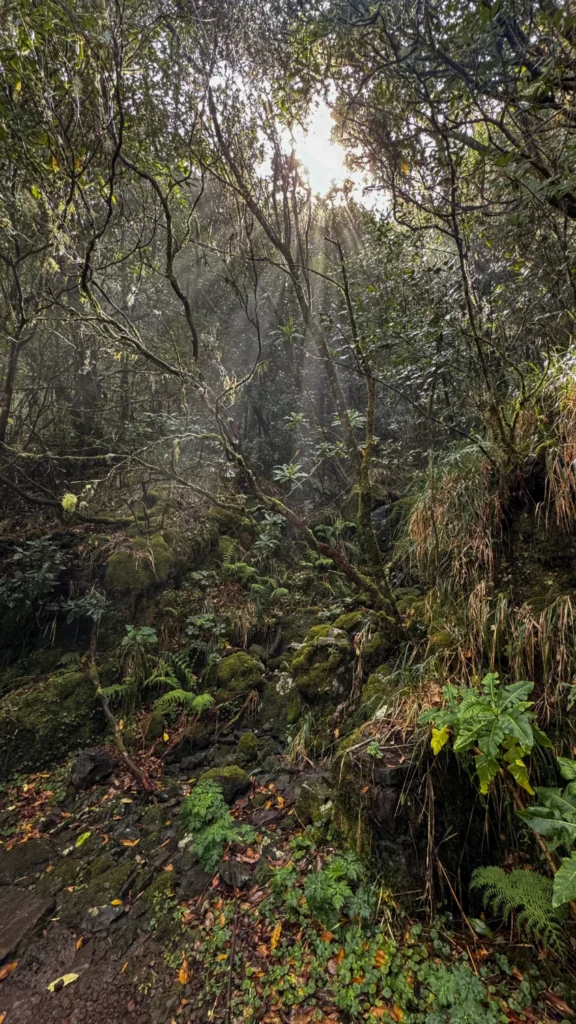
(115, 903)
(55, 164)
(80, 943)
(129, 842)
(222, 956)
(124, 967)
(165, 737)
(380, 958)
(66, 979)
(405, 167)
(82, 839)
(184, 972)
(439, 739)
(121, 723)
(2, 1017)
(276, 936)
(16, 91)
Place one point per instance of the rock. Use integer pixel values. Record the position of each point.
(41, 722)
(322, 665)
(21, 913)
(91, 767)
(22, 858)
(110, 885)
(99, 919)
(233, 780)
(247, 749)
(239, 673)
(194, 883)
(234, 873)
(314, 799)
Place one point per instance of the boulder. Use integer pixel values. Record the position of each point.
(23, 858)
(234, 873)
(322, 665)
(43, 721)
(21, 913)
(91, 767)
(232, 780)
(239, 673)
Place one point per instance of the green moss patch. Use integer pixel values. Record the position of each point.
(148, 561)
(43, 722)
(239, 672)
(232, 779)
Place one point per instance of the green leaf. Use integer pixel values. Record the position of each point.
(567, 768)
(439, 739)
(487, 768)
(565, 881)
(542, 739)
(519, 770)
(82, 839)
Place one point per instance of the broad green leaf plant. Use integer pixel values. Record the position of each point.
(496, 722)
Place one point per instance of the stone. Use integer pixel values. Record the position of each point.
(22, 858)
(313, 801)
(234, 873)
(21, 913)
(194, 883)
(233, 780)
(91, 767)
(99, 919)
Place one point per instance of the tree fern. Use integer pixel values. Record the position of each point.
(528, 896)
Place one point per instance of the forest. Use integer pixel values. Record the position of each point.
(288, 511)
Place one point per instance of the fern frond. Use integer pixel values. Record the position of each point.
(117, 691)
(175, 700)
(529, 896)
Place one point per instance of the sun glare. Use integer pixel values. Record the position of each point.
(323, 159)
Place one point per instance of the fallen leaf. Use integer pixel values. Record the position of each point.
(378, 1012)
(165, 737)
(327, 936)
(66, 979)
(82, 839)
(184, 972)
(2, 1017)
(261, 949)
(79, 943)
(276, 936)
(222, 956)
(129, 842)
(115, 903)
(124, 967)
(8, 969)
(169, 867)
(397, 1014)
(380, 958)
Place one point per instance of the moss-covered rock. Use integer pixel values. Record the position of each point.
(277, 697)
(377, 689)
(44, 721)
(110, 885)
(350, 622)
(154, 727)
(247, 749)
(133, 570)
(239, 672)
(321, 666)
(314, 801)
(232, 779)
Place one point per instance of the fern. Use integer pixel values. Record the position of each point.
(117, 691)
(177, 699)
(529, 896)
(205, 816)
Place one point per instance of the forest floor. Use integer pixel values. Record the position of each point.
(100, 897)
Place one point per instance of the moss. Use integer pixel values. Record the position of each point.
(154, 815)
(374, 651)
(154, 728)
(103, 889)
(277, 696)
(247, 749)
(43, 722)
(314, 802)
(377, 688)
(162, 886)
(351, 622)
(101, 864)
(320, 666)
(239, 672)
(232, 779)
(133, 570)
(295, 627)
